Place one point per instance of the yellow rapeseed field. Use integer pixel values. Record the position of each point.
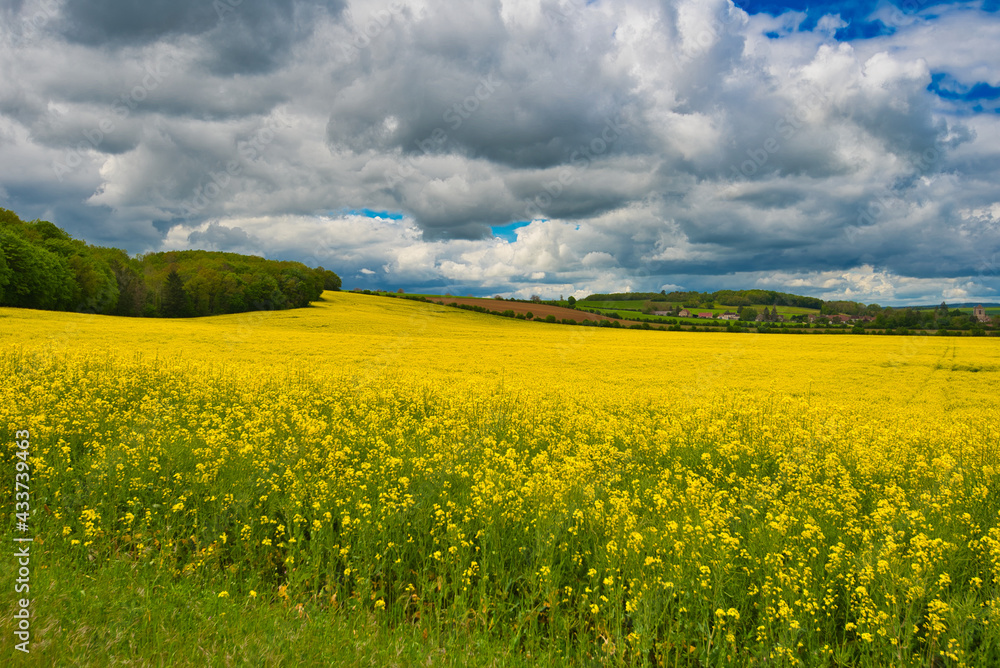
(636, 497)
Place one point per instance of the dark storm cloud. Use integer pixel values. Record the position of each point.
(103, 22)
(239, 35)
(468, 84)
(780, 197)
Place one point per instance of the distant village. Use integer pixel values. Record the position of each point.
(978, 314)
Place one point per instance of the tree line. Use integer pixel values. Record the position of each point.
(43, 267)
(693, 299)
(941, 319)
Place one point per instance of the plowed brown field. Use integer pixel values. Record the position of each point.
(539, 311)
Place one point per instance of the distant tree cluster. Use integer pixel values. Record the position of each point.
(739, 298)
(941, 319)
(43, 267)
(750, 314)
(849, 308)
(691, 299)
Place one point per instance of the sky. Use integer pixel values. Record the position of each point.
(558, 147)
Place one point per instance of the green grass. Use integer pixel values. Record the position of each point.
(125, 613)
(634, 304)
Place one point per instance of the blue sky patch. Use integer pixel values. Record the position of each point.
(854, 12)
(858, 29)
(509, 231)
(982, 91)
(949, 88)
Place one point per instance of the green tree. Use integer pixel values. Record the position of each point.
(94, 288)
(98, 288)
(134, 297)
(263, 293)
(5, 274)
(41, 266)
(37, 278)
(174, 302)
(331, 281)
(44, 230)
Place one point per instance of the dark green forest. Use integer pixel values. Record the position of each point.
(43, 267)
